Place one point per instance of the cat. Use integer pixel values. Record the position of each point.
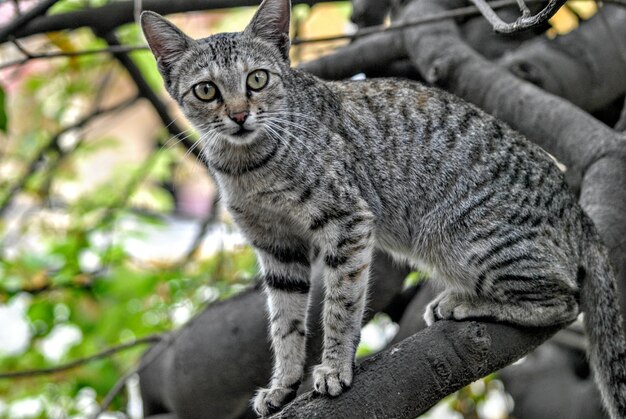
(311, 169)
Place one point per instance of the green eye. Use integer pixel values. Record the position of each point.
(205, 91)
(257, 79)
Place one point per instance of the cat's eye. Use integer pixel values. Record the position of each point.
(257, 79)
(205, 91)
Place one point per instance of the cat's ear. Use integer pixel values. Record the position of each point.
(271, 23)
(166, 41)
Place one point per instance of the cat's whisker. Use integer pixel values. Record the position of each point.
(298, 126)
(189, 132)
(275, 126)
(275, 135)
(291, 124)
(204, 140)
(179, 139)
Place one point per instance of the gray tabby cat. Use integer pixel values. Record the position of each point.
(310, 168)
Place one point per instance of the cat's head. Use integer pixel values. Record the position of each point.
(227, 84)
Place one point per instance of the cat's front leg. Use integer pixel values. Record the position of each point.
(347, 263)
(286, 280)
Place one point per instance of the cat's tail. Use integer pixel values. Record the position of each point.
(603, 324)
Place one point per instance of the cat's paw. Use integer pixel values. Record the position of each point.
(430, 315)
(441, 308)
(466, 310)
(332, 380)
(270, 400)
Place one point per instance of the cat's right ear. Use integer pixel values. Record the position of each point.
(271, 23)
(166, 41)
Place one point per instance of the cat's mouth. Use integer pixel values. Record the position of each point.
(242, 132)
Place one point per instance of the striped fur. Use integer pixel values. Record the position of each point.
(339, 168)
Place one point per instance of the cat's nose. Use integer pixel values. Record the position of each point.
(239, 117)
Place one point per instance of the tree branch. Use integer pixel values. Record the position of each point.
(146, 92)
(572, 135)
(54, 144)
(378, 46)
(222, 356)
(583, 66)
(25, 18)
(108, 17)
(524, 22)
(78, 362)
(443, 358)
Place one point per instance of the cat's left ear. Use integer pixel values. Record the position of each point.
(167, 42)
(271, 23)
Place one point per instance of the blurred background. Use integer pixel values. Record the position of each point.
(110, 230)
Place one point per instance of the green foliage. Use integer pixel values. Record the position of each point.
(124, 302)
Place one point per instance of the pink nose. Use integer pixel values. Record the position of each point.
(239, 117)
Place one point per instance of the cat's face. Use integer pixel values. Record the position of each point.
(229, 85)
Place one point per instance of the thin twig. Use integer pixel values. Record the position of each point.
(57, 54)
(523, 22)
(204, 228)
(147, 360)
(54, 144)
(523, 8)
(78, 362)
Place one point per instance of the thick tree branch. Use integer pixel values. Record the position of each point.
(25, 18)
(443, 358)
(585, 66)
(572, 135)
(378, 46)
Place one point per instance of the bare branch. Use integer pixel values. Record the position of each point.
(152, 355)
(56, 54)
(25, 18)
(525, 21)
(202, 231)
(54, 144)
(114, 14)
(78, 362)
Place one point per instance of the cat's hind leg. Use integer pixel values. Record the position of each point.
(526, 301)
